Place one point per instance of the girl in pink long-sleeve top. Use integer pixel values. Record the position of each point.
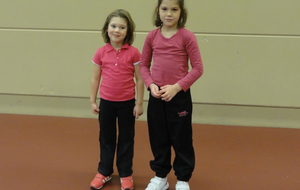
(167, 51)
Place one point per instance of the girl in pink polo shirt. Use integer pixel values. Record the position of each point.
(169, 115)
(116, 64)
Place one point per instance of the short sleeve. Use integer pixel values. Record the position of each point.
(97, 58)
(136, 56)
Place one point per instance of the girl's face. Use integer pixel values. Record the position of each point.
(117, 31)
(169, 13)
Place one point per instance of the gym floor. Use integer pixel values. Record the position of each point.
(60, 153)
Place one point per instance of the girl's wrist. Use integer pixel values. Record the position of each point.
(92, 101)
(139, 103)
(177, 87)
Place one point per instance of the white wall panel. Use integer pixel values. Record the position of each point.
(235, 16)
(53, 63)
(272, 17)
(75, 14)
(245, 70)
(249, 70)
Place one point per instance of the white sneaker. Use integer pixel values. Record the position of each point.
(182, 185)
(158, 183)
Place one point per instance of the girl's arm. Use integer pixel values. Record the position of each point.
(193, 52)
(146, 61)
(94, 88)
(138, 109)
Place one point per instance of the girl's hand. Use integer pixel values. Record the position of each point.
(95, 108)
(155, 91)
(137, 111)
(169, 91)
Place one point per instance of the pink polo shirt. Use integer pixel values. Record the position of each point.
(117, 71)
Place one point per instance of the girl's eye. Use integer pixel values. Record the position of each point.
(113, 26)
(122, 27)
(175, 9)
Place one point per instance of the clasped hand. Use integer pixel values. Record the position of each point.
(166, 92)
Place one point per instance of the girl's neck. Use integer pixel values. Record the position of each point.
(168, 32)
(116, 46)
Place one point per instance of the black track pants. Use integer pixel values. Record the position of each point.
(170, 125)
(110, 113)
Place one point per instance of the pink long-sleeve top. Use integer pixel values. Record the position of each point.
(169, 57)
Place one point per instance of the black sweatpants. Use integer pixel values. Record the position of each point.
(170, 125)
(110, 113)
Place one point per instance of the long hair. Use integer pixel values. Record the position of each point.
(182, 18)
(130, 26)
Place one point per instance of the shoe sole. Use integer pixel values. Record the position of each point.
(93, 188)
(166, 187)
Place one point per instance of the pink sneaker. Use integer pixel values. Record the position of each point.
(126, 183)
(99, 181)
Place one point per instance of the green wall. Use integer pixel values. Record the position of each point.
(250, 51)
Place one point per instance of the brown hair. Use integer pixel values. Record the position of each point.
(130, 26)
(182, 18)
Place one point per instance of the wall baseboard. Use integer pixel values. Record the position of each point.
(202, 113)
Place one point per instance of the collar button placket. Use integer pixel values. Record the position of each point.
(117, 52)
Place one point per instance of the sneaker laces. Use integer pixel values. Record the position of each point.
(103, 178)
(129, 178)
